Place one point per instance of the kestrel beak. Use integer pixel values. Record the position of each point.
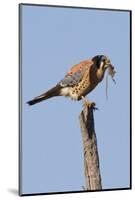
(107, 63)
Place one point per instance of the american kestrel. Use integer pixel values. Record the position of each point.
(79, 81)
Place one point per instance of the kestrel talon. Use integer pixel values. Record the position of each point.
(80, 80)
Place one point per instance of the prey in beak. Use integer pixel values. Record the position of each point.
(111, 72)
(110, 67)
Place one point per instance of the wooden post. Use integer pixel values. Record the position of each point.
(91, 158)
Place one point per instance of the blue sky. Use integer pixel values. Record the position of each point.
(53, 40)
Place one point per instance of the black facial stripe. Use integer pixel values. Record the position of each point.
(97, 60)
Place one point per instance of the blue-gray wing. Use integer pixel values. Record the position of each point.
(75, 75)
(73, 79)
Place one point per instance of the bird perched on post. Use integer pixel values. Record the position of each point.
(80, 80)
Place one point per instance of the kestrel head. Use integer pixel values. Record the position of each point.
(101, 62)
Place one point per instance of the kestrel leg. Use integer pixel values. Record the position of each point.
(89, 104)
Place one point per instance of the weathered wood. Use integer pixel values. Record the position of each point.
(91, 158)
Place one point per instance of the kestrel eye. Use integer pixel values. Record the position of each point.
(103, 59)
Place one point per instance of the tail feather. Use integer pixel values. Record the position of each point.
(55, 91)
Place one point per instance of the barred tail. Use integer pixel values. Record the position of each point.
(55, 91)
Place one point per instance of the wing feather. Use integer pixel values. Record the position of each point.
(75, 75)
